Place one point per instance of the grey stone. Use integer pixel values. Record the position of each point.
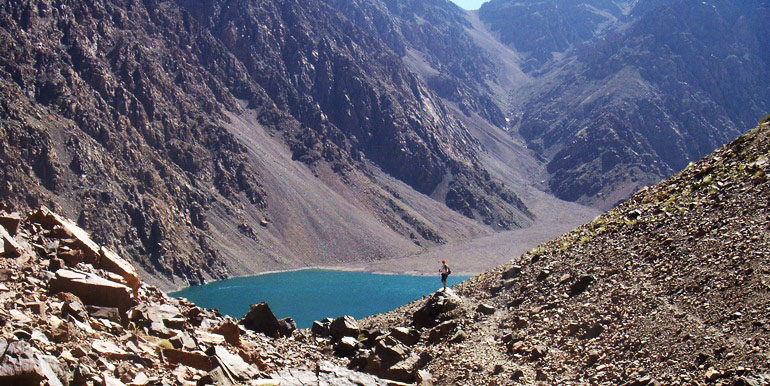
(512, 272)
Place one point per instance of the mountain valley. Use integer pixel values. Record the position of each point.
(150, 146)
(612, 302)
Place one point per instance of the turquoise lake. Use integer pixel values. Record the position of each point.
(314, 294)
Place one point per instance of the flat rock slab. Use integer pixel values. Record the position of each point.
(196, 360)
(93, 254)
(92, 290)
(108, 349)
(233, 364)
(49, 220)
(110, 261)
(329, 374)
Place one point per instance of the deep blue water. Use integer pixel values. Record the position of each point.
(314, 294)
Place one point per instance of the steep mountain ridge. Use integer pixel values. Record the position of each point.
(542, 29)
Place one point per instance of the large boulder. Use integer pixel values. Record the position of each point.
(145, 314)
(407, 336)
(8, 246)
(390, 351)
(438, 303)
(512, 272)
(346, 347)
(194, 359)
(344, 326)
(261, 319)
(82, 241)
(10, 222)
(23, 365)
(322, 327)
(406, 370)
(230, 331)
(90, 252)
(92, 290)
(286, 326)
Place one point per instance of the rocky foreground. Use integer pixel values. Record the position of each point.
(76, 313)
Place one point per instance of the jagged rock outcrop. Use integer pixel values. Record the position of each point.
(438, 303)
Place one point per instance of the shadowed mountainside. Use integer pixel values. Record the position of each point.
(625, 93)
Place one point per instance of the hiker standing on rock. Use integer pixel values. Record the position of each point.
(444, 271)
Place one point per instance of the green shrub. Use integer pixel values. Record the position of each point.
(765, 120)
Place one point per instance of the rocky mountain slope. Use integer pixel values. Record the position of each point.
(539, 29)
(671, 287)
(139, 121)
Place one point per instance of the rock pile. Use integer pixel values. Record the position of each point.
(74, 312)
(396, 352)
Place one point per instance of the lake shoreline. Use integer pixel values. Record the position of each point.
(418, 273)
(307, 295)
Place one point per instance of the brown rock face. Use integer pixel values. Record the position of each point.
(10, 248)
